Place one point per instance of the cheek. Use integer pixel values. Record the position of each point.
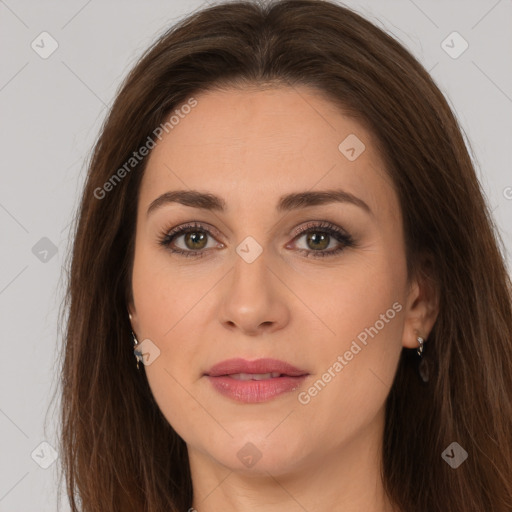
(355, 371)
(167, 315)
(168, 301)
(357, 355)
(162, 293)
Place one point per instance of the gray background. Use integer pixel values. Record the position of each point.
(51, 111)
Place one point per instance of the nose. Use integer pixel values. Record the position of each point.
(255, 298)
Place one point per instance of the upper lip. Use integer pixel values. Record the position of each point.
(239, 365)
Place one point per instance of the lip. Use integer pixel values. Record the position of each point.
(221, 376)
(266, 365)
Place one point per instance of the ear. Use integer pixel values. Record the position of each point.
(422, 306)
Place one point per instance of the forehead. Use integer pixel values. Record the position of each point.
(250, 144)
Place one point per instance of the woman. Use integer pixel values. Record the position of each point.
(281, 221)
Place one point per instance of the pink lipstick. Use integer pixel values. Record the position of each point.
(254, 381)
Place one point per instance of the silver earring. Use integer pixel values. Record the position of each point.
(136, 351)
(420, 347)
(423, 366)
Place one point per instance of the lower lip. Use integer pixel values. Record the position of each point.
(254, 391)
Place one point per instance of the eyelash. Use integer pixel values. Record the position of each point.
(167, 237)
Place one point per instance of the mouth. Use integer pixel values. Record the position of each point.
(254, 376)
(254, 381)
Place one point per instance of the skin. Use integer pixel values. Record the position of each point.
(250, 147)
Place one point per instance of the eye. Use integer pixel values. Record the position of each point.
(318, 235)
(195, 239)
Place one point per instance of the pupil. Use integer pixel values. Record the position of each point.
(196, 238)
(315, 239)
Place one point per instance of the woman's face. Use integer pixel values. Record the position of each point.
(333, 301)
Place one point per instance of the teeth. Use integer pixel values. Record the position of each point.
(254, 376)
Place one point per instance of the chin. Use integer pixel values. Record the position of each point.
(260, 452)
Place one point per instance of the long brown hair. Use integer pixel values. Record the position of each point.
(118, 451)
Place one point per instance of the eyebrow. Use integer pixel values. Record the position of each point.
(288, 202)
